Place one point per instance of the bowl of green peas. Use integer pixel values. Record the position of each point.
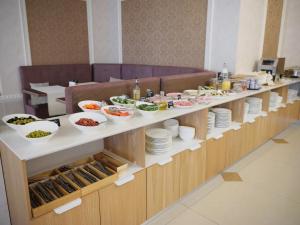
(38, 131)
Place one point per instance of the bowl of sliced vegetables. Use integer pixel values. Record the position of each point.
(123, 101)
(117, 113)
(39, 131)
(87, 121)
(90, 106)
(147, 109)
(15, 121)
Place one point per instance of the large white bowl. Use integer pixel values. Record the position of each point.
(124, 105)
(117, 119)
(89, 115)
(172, 125)
(143, 112)
(86, 102)
(43, 125)
(187, 133)
(13, 126)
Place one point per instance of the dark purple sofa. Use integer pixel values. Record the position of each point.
(166, 78)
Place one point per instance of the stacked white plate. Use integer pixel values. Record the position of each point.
(255, 105)
(211, 122)
(292, 94)
(246, 109)
(158, 140)
(223, 117)
(275, 99)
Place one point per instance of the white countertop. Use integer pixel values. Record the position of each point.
(68, 136)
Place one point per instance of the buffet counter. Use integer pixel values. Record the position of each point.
(138, 184)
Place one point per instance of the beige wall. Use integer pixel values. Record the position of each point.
(250, 34)
(58, 31)
(272, 31)
(165, 32)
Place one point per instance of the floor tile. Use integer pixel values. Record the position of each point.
(231, 176)
(167, 215)
(239, 203)
(280, 141)
(191, 218)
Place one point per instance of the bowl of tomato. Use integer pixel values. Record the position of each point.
(90, 106)
(87, 121)
(117, 113)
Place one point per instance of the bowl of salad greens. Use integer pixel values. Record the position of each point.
(146, 108)
(123, 101)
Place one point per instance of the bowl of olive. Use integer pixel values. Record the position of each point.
(38, 131)
(16, 121)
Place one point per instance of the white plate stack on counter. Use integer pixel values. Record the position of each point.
(292, 95)
(255, 105)
(158, 140)
(275, 100)
(223, 117)
(211, 122)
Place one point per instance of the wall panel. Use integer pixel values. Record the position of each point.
(168, 32)
(58, 31)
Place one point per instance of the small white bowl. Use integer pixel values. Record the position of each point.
(117, 119)
(86, 102)
(13, 126)
(172, 125)
(187, 133)
(144, 112)
(89, 115)
(43, 125)
(131, 106)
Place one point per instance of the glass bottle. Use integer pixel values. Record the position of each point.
(136, 92)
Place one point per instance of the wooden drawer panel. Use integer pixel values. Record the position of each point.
(86, 213)
(215, 156)
(192, 171)
(81, 178)
(163, 185)
(124, 204)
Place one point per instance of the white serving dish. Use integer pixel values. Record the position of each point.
(187, 133)
(172, 125)
(89, 115)
(13, 126)
(118, 119)
(124, 105)
(191, 92)
(43, 125)
(143, 112)
(86, 102)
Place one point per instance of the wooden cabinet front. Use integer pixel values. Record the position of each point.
(124, 204)
(86, 213)
(192, 171)
(234, 150)
(215, 156)
(163, 185)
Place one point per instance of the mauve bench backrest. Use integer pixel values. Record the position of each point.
(55, 74)
(181, 82)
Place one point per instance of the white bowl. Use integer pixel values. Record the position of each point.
(13, 126)
(86, 102)
(117, 119)
(187, 133)
(43, 125)
(172, 125)
(89, 115)
(131, 106)
(143, 112)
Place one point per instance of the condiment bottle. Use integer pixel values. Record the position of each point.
(136, 91)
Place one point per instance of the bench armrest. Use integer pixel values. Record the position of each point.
(34, 92)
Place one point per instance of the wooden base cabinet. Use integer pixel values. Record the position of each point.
(86, 213)
(215, 156)
(163, 185)
(192, 171)
(125, 204)
(234, 143)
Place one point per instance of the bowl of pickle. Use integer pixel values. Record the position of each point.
(15, 121)
(38, 131)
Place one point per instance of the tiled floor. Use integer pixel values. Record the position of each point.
(269, 193)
